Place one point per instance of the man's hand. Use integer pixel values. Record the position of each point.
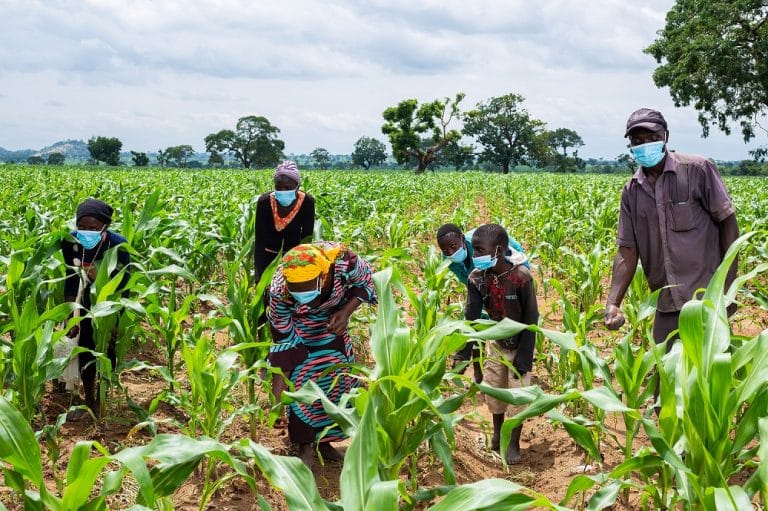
(338, 322)
(613, 317)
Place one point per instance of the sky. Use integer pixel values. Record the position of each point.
(161, 73)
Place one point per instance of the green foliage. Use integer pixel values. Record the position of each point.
(407, 122)
(564, 138)
(176, 156)
(505, 130)
(712, 391)
(254, 142)
(55, 158)
(369, 152)
(106, 149)
(456, 155)
(627, 160)
(321, 157)
(712, 55)
(139, 159)
(191, 238)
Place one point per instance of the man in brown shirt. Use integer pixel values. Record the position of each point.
(676, 216)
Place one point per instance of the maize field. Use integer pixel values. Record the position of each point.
(187, 418)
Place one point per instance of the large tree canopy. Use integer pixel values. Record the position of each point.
(369, 152)
(714, 55)
(106, 149)
(507, 132)
(254, 142)
(407, 122)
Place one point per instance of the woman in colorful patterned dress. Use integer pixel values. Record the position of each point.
(313, 293)
(284, 217)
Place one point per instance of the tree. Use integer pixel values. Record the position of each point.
(714, 55)
(506, 131)
(162, 159)
(564, 138)
(139, 159)
(178, 155)
(627, 161)
(35, 160)
(254, 142)
(406, 122)
(215, 160)
(369, 152)
(106, 149)
(457, 156)
(56, 158)
(321, 157)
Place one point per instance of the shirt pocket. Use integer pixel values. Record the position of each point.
(681, 216)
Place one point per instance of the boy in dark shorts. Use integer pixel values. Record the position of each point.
(504, 290)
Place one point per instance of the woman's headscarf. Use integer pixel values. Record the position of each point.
(305, 262)
(290, 170)
(95, 208)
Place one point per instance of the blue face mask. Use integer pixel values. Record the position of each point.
(88, 239)
(459, 256)
(648, 155)
(304, 297)
(285, 197)
(485, 262)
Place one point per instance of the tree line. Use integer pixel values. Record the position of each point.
(432, 134)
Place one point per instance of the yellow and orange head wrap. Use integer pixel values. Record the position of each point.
(305, 262)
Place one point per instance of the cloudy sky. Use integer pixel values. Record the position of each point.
(161, 73)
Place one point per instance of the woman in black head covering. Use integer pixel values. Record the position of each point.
(93, 239)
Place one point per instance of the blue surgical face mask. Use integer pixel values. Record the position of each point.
(484, 262)
(88, 239)
(285, 197)
(304, 297)
(648, 155)
(459, 256)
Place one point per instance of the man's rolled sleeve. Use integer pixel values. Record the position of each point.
(714, 195)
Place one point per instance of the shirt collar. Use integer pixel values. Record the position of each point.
(669, 166)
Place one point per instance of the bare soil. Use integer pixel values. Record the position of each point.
(550, 458)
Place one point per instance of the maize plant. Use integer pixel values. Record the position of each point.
(166, 313)
(713, 396)
(244, 310)
(86, 484)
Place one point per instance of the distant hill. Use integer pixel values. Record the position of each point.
(15, 156)
(73, 150)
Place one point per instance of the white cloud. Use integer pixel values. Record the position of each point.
(164, 73)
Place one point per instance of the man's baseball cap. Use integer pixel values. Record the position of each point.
(646, 118)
